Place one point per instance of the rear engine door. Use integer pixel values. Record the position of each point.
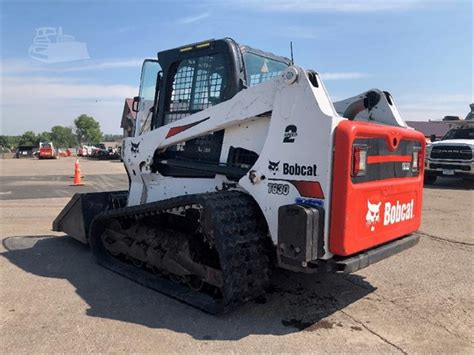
(377, 185)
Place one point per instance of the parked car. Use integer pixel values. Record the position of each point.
(108, 154)
(96, 150)
(84, 151)
(25, 151)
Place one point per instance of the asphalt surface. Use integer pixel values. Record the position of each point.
(33, 187)
(54, 298)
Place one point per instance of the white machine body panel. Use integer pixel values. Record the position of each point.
(276, 120)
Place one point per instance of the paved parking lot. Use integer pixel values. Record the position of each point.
(54, 298)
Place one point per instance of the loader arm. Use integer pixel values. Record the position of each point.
(250, 104)
(371, 106)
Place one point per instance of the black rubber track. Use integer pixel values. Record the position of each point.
(237, 229)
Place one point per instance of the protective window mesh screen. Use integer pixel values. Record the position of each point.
(182, 85)
(198, 83)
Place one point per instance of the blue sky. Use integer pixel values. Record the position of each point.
(420, 51)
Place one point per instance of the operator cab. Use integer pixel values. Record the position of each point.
(189, 79)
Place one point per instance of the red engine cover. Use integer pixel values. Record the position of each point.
(386, 205)
(46, 152)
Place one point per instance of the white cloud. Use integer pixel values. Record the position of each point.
(192, 19)
(430, 113)
(10, 67)
(423, 108)
(435, 100)
(20, 89)
(126, 29)
(452, 98)
(41, 116)
(38, 103)
(343, 76)
(302, 32)
(330, 5)
(114, 64)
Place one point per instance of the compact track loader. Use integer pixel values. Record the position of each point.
(239, 163)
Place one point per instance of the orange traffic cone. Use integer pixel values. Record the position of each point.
(77, 174)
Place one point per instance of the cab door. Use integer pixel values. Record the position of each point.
(143, 104)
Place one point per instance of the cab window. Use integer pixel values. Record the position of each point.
(198, 83)
(460, 133)
(260, 69)
(150, 72)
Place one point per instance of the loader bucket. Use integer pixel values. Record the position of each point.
(77, 215)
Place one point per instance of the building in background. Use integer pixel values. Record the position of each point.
(431, 128)
(128, 118)
(438, 129)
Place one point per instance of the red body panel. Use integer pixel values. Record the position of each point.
(46, 153)
(354, 226)
(178, 129)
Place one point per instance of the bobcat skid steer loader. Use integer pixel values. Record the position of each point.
(239, 163)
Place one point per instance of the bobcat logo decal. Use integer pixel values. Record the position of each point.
(273, 166)
(373, 214)
(135, 148)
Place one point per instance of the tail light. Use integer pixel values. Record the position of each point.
(359, 160)
(415, 166)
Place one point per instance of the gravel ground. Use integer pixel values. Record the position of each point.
(54, 298)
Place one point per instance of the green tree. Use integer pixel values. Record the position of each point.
(9, 141)
(43, 137)
(63, 137)
(28, 138)
(112, 137)
(87, 129)
(4, 141)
